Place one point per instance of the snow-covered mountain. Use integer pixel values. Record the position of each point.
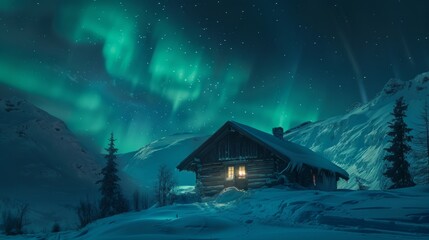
(41, 161)
(142, 166)
(356, 140)
(38, 147)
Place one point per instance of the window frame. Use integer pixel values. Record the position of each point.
(230, 173)
(242, 172)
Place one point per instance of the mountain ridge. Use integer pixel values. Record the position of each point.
(356, 140)
(42, 163)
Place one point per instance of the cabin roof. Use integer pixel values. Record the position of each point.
(283, 149)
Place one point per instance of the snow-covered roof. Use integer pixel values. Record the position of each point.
(296, 154)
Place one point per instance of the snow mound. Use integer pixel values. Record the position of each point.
(184, 194)
(230, 194)
(183, 189)
(356, 141)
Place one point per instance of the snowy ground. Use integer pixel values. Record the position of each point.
(273, 213)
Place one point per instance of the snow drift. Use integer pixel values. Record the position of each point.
(274, 213)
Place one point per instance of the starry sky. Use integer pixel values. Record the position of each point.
(147, 69)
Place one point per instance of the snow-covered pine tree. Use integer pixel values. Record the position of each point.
(112, 201)
(396, 154)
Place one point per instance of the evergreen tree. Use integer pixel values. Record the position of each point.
(112, 200)
(396, 154)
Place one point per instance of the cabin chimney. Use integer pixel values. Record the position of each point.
(278, 132)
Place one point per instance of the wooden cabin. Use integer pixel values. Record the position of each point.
(241, 156)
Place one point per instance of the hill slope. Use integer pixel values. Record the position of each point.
(356, 140)
(41, 162)
(143, 164)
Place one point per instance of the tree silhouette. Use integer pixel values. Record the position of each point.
(396, 154)
(112, 201)
(165, 183)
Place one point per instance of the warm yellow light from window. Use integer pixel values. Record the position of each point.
(241, 172)
(230, 174)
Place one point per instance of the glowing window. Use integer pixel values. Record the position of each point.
(230, 174)
(242, 172)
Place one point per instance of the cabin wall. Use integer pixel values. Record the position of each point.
(312, 178)
(262, 167)
(326, 181)
(234, 149)
(302, 177)
(212, 178)
(259, 173)
(234, 146)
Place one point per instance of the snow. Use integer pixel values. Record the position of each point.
(43, 164)
(143, 165)
(356, 141)
(29, 131)
(297, 154)
(61, 169)
(183, 189)
(230, 194)
(273, 213)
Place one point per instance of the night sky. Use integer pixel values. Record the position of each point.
(147, 69)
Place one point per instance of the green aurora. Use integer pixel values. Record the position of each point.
(144, 69)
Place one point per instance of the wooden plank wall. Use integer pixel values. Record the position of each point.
(213, 175)
(260, 172)
(212, 178)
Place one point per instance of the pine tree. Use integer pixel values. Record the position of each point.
(112, 200)
(396, 154)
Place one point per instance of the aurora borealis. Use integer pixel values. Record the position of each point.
(147, 69)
